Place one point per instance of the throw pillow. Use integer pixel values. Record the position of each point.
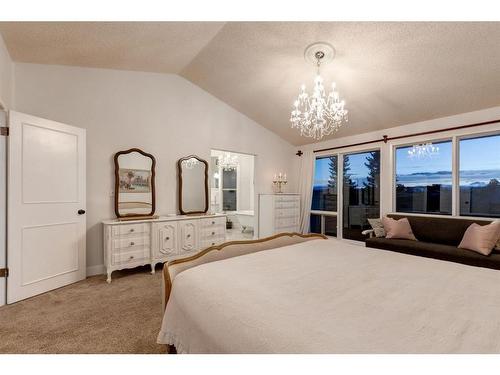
(398, 228)
(378, 227)
(481, 238)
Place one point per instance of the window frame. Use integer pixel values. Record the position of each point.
(455, 137)
(222, 189)
(457, 165)
(322, 213)
(340, 177)
(453, 172)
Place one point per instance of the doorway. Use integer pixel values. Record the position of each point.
(232, 191)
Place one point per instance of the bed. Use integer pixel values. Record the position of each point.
(316, 295)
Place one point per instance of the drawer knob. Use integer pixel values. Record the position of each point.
(188, 236)
(213, 243)
(131, 257)
(132, 243)
(213, 233)
(131, 229)
(167, 238)
(213, 222)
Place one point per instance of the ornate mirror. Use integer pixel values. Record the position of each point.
(193, 185)
(134, 184)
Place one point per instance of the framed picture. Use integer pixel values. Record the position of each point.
(134, 180)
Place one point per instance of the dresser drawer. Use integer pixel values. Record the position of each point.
(120, 230)
(287, 204)
(216, 231)
(287, 198)
(288, 222)
(286, 212)
(211, 242)
(132, 256)
(131, 242)
(213, 222)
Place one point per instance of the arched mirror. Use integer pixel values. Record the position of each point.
(193, 185)
(134, 184)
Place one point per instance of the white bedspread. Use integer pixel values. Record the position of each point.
(328, 296)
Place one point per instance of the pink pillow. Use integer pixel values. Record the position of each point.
(398, 228)
(481, 238)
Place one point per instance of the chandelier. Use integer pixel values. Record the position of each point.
(320, 113)
(227, 161)
(423, 150)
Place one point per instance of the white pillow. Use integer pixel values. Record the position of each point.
(378, 227)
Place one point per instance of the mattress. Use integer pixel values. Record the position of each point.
(329, 296)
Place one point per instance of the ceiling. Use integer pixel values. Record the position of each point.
(389, 73)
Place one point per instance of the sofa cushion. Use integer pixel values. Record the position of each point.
(436, 251)
(441, 230)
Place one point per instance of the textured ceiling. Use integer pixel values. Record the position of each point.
(389, 73)
(147, 46)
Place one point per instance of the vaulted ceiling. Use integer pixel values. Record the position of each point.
(389, 73)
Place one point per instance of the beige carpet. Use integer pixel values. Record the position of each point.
(90, 316)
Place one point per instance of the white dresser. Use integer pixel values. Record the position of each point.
(129, 244)
(278, 213)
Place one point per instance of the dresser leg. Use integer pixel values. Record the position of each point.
(152, 268)
(108, 280)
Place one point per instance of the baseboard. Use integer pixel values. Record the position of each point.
(96, 270)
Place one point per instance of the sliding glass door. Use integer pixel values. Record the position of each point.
(324, 199)
(360, 192)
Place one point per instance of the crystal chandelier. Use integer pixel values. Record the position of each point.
(423, 150)
(318, 114)
(227, 161)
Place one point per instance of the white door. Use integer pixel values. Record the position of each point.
(45, 206)
(3, 206)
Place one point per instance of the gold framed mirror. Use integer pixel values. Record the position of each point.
(134, 184)
(193, 185)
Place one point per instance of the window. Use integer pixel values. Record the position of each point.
(424, 183)
(361, 192)
(324, 199)
(480, 176)
(325, 184)
(229, 190)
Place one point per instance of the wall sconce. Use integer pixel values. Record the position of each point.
(278, 182)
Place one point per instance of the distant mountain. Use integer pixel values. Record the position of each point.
(429, 173)
(478, 184)
(475, 178)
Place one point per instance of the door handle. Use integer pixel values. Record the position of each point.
(81, 212)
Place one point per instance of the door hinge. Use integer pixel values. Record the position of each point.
(4, 130)
(4, 272)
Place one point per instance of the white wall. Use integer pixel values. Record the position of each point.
(245, 183)
(386, 155)
(6, 76)
(162, 114)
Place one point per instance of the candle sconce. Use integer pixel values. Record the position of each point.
(278, 182)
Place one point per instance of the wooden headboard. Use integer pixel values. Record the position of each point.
(231, 249)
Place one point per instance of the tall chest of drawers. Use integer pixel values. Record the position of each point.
(129, 244)
(278, 213)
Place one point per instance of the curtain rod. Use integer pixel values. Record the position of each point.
(386, 138)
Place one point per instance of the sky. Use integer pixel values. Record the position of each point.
(476, 154)
(358, 169)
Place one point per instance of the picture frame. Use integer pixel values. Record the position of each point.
(134, 180)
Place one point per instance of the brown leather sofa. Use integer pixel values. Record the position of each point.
(438, 238)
